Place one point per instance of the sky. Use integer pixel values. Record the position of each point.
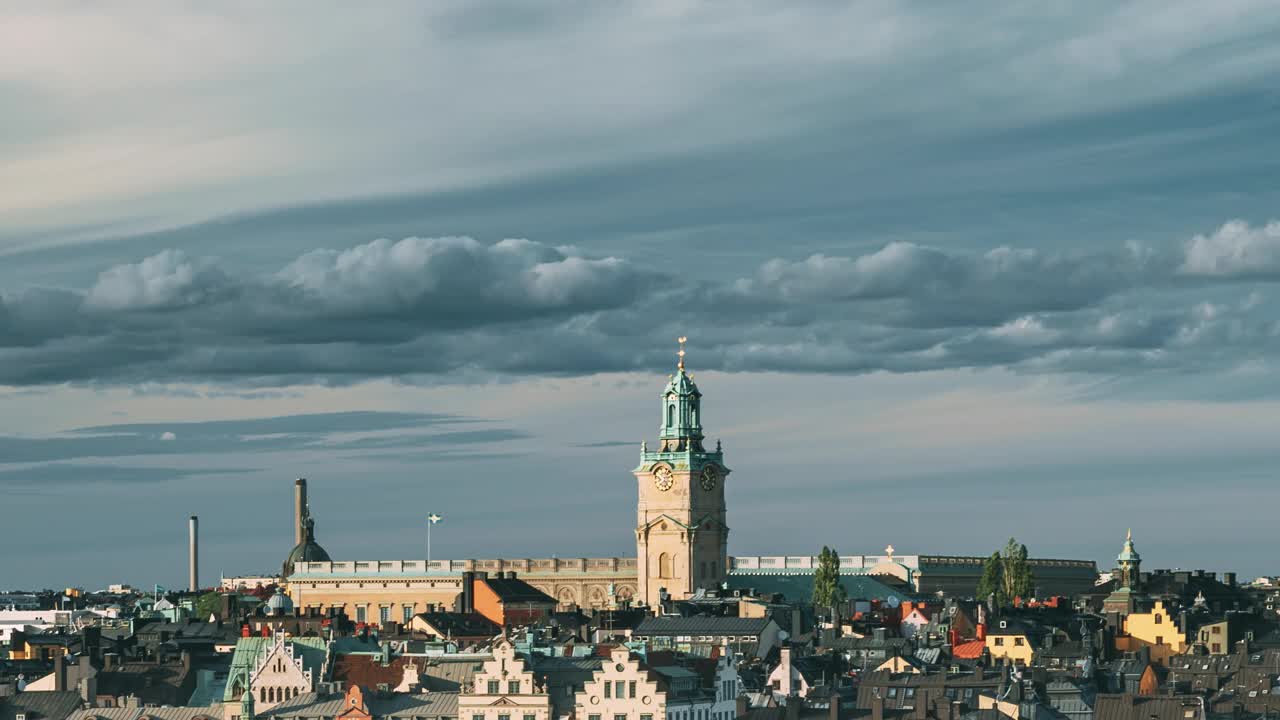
(950, 273)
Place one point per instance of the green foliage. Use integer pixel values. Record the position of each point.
(992, 581)
(827, 590)
(1017, 579)
(208, 604)
(1007, 575)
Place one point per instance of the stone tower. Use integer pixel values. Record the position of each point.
(681, 535)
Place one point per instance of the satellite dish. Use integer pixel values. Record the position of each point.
(893, 601)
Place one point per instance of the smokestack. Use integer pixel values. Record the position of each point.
(193, 561)
(299, 507)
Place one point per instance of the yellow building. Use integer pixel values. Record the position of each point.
(1013, 640)
(1157, 627)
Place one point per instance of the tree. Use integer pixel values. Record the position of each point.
(1016, 579)
(992, 580)
(208, 604)
(827, 590)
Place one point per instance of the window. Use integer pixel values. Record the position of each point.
(477, 717)
(619, 717)
(504, 717)
(608, 689)
(619, 689)
(713, 567)
(1216, 629)
(909, 692)
(1017, 641)
(702, 569)
(1159, 639)
(361, 613)
(593, 717)
(1159, 618)
(631, 689)
(408, 614)
(777, 684)
(530, 717)
(999, 641)
(493, 687)
(513, 687)
(893, 692)
(646, 716)
(664, 566)
(671, 415)
(1217, 647)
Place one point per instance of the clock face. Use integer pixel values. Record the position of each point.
(709, 478)
(662, 478)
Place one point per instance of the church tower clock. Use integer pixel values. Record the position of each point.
(681, 535)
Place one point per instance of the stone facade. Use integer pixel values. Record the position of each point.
(368, 590)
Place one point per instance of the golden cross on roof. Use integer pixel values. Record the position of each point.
(682, 340)
(889, 552)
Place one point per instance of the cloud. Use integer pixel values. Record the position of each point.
(164, 281)
(367, 430)
(1235, 250)
(168, 436)
(61, 474)
(421, 309)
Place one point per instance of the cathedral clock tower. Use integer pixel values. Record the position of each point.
(681, 535)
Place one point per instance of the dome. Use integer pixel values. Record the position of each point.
(281, 604)
(309, 551)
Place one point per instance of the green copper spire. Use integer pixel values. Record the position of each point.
(681, 409)
(680, 434)
(1129, 561)
(1128, 553)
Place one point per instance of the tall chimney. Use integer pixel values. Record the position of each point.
(299, 507)
(193, 560)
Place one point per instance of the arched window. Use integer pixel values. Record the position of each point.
(664, 566)
(693, 413)
(671, 416)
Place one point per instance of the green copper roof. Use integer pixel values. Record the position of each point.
(1128, 554)
(312, 650)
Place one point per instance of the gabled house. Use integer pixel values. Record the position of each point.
(506, 688)
(276, 668)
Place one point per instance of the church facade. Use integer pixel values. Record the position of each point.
(682, 535)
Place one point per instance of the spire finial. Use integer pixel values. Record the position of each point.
(682, 340)
(1128, 536)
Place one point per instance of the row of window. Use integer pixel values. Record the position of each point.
(1017, 640)
(622, 716)
(276, 694)
(529, 716)
(384, 614)
(618, 689)
(495, 687)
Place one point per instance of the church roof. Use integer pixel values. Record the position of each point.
(681, 383)
(312, 650)
(1128, 553)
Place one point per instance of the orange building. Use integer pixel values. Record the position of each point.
(504, 599)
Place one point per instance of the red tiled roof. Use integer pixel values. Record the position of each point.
(971, 650)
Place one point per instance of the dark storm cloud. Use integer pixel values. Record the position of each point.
(425, 307)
